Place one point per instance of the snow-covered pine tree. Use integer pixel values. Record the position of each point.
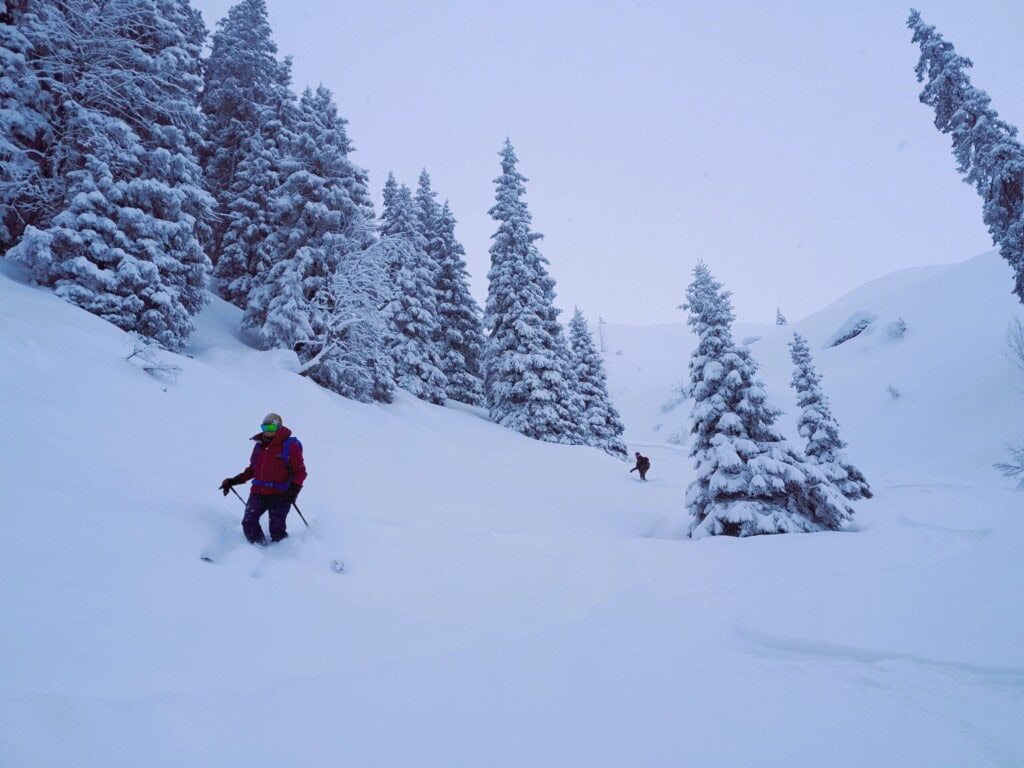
(460, 318)
(411, 312)
(122, 240)
(246, 208)
(460, 331)
(819, 427)
(526, 362)
(987, 151)
(245, 100)
(246, 218)
(25, 127)
(321, 214)
(749, 480)
(387, 225)
(353, 358)
(780, 319)
(601, 422)
(428, 215)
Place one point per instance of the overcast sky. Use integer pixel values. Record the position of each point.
(782, 142)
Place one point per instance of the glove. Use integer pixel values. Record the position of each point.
(228, 482)
(293, 493)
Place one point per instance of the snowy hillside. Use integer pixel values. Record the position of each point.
(507, 602)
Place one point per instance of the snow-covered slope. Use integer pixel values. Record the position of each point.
(957, 393)
(505, 602)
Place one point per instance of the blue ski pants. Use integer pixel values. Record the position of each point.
(277, 505)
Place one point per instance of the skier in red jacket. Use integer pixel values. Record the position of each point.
(277, 473)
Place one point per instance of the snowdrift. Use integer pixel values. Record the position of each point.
(506, 602)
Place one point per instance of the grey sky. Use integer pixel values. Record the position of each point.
(782, 142)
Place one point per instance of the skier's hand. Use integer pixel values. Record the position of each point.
(293, 493)
(226, 485)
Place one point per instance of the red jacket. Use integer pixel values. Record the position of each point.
(267, 468)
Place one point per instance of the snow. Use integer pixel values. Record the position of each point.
(507, 602)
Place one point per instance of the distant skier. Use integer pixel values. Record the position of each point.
(277, 473)
(642, 465)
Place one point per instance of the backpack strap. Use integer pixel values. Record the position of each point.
(284, 455)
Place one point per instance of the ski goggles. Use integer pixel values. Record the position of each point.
(272, 427)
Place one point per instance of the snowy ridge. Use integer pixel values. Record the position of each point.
(507, 602)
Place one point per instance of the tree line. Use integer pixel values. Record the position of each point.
(138, 174)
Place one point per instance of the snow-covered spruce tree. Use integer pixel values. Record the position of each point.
(819, 427)
(246, 208)
(246, 99)
(749, 480)
(527, 365)
(320, 214)
(602, 425)
(780, 319)
(123, 238)
(25, 130)
(987, 152)
(413, 326)
(462, 333)
(245, 219)
(428, 215)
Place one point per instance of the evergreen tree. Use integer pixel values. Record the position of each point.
(749, 480)
(462, 334)
(428, 215)
(246, 101)
(353, 358)
(25, 126)
(321, 213)
(459, 339)
(602, 425)
(780, 319)
(819, 427)
(121, 238)
(411, 313)
(247, 220)
(987, 152)
(526, 362)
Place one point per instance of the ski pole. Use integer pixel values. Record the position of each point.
(293, 504)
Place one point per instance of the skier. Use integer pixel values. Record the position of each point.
(642, 464)
(277, 473)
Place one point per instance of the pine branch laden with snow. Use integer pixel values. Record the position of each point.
(987, 151)
(120, 235)
(749, 480)
(818, 426)
(601, 422)
(527, 367)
